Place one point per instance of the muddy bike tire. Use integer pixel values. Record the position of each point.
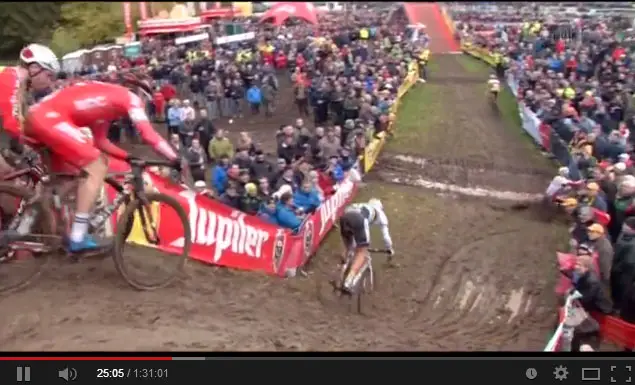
(45, 226)
(123, 229)
(365, 287)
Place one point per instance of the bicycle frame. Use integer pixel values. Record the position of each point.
(132, 187)
(563, 335)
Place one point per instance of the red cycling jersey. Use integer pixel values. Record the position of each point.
(59, 122)
(9, 100)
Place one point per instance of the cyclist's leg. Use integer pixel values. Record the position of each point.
(361, 236)
(346, 234)
(75, 148)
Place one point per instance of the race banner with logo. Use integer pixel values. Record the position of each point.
(228, 237)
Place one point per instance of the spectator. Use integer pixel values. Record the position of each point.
(601, 244)
(174, 116)
(250, 201)
(227, 104)
(158, 100)
(623, 269)
(196, 158)
(231, 197)
(254, 98)
(260, 167)
(244, 140)
(243, 179)
(242, 158)
(204, 130)
(314, 142)
(188, 118)
(264, 188)
(301, 99)
(314, 177)
(334, 169)
(330, 145)
(220, 146)
(237, 95)
(200, 187)
(220, 176)
(285, 213)
(175, 142)
(268, 95)
(287, 178)
(288, 150)
(268, 211)
(213, 96)
(306, 198)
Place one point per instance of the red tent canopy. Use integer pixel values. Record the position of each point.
(282, 11)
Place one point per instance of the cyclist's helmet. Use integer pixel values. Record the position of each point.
(376, 204)
(492, 76)
(42, 55)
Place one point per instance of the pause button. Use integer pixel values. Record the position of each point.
(23, 374)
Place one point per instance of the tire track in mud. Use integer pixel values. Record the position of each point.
(469, 177)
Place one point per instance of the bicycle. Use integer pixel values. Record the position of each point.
(563, 336)
(365, 284)
(42, 209)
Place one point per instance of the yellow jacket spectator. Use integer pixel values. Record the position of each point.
(569, 93)
(220, 146)
(363, 34)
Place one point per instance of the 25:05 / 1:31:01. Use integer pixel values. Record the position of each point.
(132, 373)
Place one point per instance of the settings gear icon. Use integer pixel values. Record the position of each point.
(561, 373)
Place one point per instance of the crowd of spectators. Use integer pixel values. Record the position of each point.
(583, 89)
(345, 74)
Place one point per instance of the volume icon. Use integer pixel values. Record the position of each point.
(67, 374)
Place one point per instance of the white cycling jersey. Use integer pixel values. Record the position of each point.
(374, 216)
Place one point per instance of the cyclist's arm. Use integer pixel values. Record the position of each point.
(140, 119)
(382, 221)
(101, 141)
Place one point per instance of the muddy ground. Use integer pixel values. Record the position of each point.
(473, 275)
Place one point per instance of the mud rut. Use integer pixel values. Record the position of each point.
(473, 277)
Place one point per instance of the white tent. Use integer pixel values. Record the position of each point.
(73, 61)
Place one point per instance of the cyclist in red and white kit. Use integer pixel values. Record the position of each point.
(73, 123)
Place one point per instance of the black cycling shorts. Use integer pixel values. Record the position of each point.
(353, 226)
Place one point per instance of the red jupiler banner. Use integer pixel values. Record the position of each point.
(224, 236)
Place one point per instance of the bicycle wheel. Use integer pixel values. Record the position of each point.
(20, 263)
(125, 251)
(365, 286)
